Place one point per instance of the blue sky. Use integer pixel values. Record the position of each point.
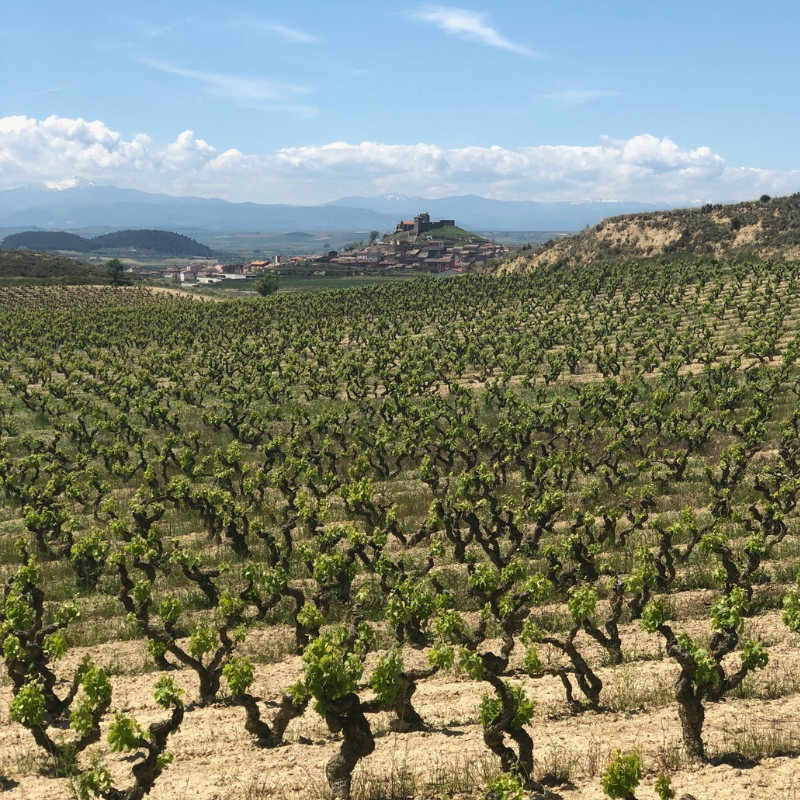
(675, 101)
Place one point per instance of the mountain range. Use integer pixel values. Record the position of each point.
(77, 204)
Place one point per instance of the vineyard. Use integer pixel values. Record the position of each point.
(520, 536)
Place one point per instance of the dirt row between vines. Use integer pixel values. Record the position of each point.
(215, 758)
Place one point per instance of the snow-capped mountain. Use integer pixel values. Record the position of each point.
(70, 183)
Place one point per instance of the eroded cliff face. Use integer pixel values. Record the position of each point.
(760, 230)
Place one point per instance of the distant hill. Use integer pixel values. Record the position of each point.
(145, 241)
(47, 241)
(766, 228)
(451, 234)
(24, 267)
(154, 241)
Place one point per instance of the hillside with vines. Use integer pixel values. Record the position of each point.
(518, 536)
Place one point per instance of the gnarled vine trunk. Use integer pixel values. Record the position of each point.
(521, 762)
(408, 719)
(269, 735)
(346, 716)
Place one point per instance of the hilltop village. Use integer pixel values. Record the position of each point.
(419, 245)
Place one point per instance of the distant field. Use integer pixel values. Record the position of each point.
(268, 244)
(523, 237)
(299, 283)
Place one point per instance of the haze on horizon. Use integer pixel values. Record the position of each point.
(256, 102)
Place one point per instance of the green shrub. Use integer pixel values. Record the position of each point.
(505, 787)
(266, 285)
(622, 775)
(663, 786)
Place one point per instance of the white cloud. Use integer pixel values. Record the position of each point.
(154, 31)
(237, 87)
(471, 26)
(284, 32)
(640, 168)
(52, 90)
